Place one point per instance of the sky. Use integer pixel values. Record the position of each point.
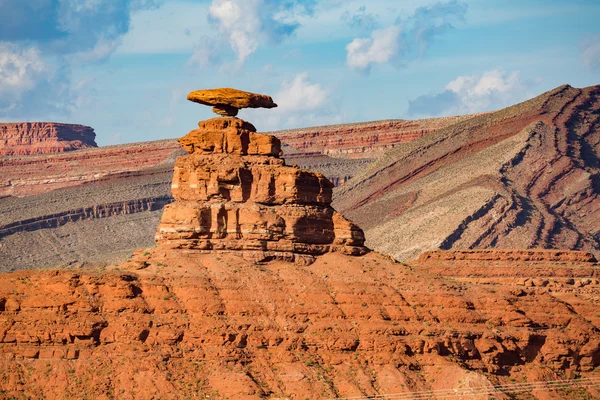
(125, 67)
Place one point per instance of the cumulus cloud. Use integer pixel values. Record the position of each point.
(300, 94)
(300, 102)
(591, 54)
(41, 40)
(472, 93)
(32, 87)
(20, 70)
(406, 37)
(246, 23)
(380, 48)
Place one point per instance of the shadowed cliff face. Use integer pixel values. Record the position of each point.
(522, 177)
(23, 138)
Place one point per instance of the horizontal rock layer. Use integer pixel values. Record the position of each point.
(183, 324)
(72, 216)
(508, 255)
(364, 139)
(23, 138)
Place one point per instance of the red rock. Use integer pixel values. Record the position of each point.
(193, 324)
(362, 139)
(234, 194)
(23, 138)
(231, 136)
(508, 255)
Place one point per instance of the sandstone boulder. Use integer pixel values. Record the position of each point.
(229, 135)
(227, 101)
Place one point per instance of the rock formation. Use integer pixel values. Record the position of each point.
(227, 101)
(44, 138)
(233, 192)
(212, 323)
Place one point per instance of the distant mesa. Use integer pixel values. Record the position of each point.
(227, 101)
(24, 138)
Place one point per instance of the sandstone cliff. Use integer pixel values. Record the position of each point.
(189, 325)
(44, 138)
(217, 310)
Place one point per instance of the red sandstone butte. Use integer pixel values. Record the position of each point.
(22, 138)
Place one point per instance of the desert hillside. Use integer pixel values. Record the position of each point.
(98, 205)
(523, 177)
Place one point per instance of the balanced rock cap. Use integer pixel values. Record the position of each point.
(227, 101)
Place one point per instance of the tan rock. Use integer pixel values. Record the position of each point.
(227, 101)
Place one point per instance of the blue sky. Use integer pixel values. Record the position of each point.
(126, 67)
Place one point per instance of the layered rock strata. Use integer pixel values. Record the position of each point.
(233, 192)
(525, 177)
(362, 139)
(24, 138)
(187, 325)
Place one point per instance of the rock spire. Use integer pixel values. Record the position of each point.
(234, 193)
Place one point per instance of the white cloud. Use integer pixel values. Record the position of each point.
(591, 54)
(247, 23)
(240, 21)
(37, 54)
(300, 102)
(20, 70)
(300, 94)
(19, 67)
(473, 93)
(380, 48)
(491, 89)
(408, 37)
